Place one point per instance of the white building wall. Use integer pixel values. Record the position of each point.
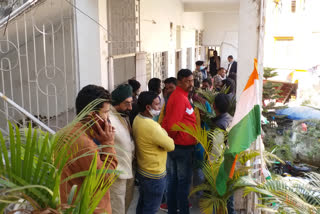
(221, 29)
(88, 38)
(303, 51)
(104, 52)
(248, 42)
(158, 37)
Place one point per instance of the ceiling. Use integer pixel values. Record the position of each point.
(209, 1)
(211, 5)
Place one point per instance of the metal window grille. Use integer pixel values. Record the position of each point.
(157, 58)
(160, 65)
(137, 24)
(197, 38)
(189, 58)
(5, 4)
(148, 66)
(201, 38)
(122, 25)
(37, 65)
(178, 61)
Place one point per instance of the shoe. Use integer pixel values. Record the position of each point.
(164, 207)
(190, 206)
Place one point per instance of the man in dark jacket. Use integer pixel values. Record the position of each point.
(232, 66)
(135, 85)
(214, 63)
(179, 110)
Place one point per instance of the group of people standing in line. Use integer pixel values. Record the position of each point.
(138, 139)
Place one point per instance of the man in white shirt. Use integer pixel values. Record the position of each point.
(121, 191)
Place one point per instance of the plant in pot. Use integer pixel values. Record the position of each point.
(31, 165)
(287, 194)
(213, 142)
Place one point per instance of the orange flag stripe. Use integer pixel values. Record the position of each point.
(233, 167)
(254, 75)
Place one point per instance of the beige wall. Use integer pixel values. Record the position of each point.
(221, 29)
(156, 37)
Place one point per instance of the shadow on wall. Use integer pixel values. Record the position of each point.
(228, 49)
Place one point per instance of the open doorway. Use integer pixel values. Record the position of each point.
(211, 49)
(178, 62)
(178, 37)
(189, 58)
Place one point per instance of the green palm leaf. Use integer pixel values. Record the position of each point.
(286, 196)
(31, 166)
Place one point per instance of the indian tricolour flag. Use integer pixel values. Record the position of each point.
(245, 129)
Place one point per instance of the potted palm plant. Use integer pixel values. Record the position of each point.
(31, 163)
(213, 142)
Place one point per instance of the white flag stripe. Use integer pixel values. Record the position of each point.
(248, 99)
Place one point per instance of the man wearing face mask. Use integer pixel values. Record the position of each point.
(198, 74)
(203, 70)
(122, 190)
(179, 110)
(152, 145)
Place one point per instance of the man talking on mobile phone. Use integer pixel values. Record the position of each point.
(87, 144)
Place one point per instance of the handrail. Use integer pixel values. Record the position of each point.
(17, 11)
(26, 113)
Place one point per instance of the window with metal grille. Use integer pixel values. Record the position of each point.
(7, 6)
(148, 66)
(197, 37)
(122, 26)
(38, 65)
(201, 38)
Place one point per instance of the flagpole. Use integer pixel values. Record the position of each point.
(259, 139)
(260, 70)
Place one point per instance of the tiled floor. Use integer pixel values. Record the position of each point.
(132, 209)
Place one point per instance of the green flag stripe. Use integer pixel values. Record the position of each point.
(245, 132)
(239, 139)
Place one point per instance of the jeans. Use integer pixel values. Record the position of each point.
(198, 178)
(230, 205)
(151, 192)
(179, 178)
(164, 198)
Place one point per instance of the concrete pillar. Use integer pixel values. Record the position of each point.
(141, 70)
(251, 36)
(249, 21)
(91, 40)
(103, 20)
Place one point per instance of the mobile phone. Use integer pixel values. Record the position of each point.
(97, 118)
